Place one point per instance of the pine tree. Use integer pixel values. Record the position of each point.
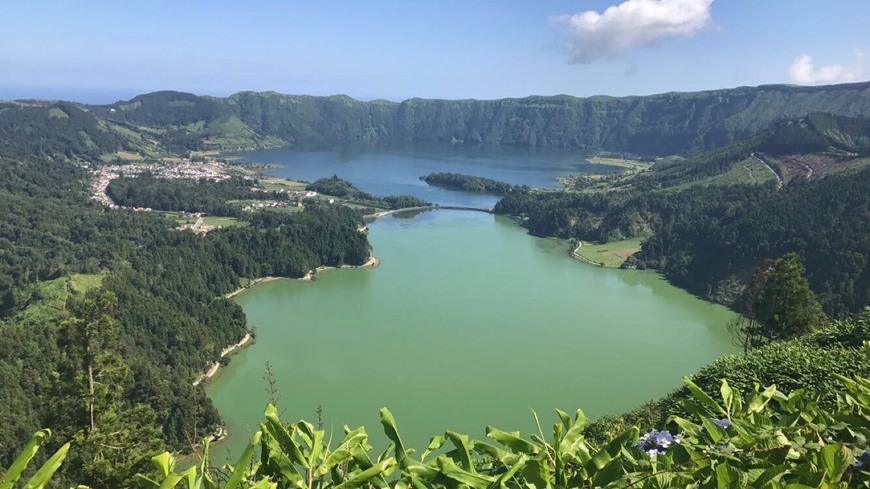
(112, 438)
(778, 304)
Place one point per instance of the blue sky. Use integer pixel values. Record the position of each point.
(100, 51)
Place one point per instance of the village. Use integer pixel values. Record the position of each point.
(187, 171)
(209, 170)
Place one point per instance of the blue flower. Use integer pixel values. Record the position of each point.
(862, 461)
(723, 423)
(656, 442)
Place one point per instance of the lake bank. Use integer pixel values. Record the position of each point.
(208, 374)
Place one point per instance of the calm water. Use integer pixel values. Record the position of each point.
(397, 171)
(468, 321)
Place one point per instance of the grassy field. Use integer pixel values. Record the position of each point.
(610, 254)
(175, 216)
(620, 162)
(50, 305)
(749, 170)
(223, 222)
(271, 183)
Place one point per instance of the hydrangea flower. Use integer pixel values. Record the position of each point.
(656, 442)
(723, 423)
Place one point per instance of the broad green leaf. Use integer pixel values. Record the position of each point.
(414, 467)
(685, 424)
(264, 484)
(14, 471)
(451, 470)
(164, 463)
(724, 477)
(702, 396)
(758, 402)
(836, 458)
(727, 396)
(512, 440)
(316, 448)
(277, 430)
(242, 464)
(566, 420)
(171, 481)
(378, 470)
(277, 460)
(612, 450)
(147, 481)
(343, 453)
(42, 476)
(518, 465)
(462, 449)
(435, 443)
(769, 476)
(715, 432)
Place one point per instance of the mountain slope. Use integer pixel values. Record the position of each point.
(809, 147)
(661, 124)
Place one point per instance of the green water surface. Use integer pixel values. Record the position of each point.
(467, 321)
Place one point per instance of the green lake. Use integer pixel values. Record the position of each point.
(467, 321)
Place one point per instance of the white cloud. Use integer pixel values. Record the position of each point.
(804, 72)
(632, 23)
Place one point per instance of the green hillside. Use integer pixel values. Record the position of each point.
(661, 124)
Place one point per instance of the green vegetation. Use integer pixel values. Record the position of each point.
(662, 124)
(187, 195)
(222, 222)
(336, 187)
(611, 254)
(763, 438)
(107, 317)
(810, 364)
(778, 304)
(171, 318)
(271, 183)
(47, 300)
(27, 130)
(709, 237)
(629, 164)
(470, 183)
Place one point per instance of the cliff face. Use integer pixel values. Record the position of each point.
(657, 124)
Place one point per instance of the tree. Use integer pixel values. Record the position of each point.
(115, 439)
(778, 304)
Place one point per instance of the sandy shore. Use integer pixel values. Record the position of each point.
(249, 285)
(372, 262)
(216, 365)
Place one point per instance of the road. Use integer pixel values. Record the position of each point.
(775, 174)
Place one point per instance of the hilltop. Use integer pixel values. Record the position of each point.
(664, 124)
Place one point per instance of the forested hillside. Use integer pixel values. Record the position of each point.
(58, 247)
(58, 130)
(670, 123)
(707, 228)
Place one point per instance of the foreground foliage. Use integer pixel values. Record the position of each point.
(767, 440)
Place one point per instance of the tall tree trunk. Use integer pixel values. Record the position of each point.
(91, 388)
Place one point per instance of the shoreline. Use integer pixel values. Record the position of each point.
(575, 254)
(222, 432)
(216, 365)
(372, 262)
(249, 285)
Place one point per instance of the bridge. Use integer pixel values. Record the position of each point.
(488, 210)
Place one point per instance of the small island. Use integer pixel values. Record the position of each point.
(471, 183)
